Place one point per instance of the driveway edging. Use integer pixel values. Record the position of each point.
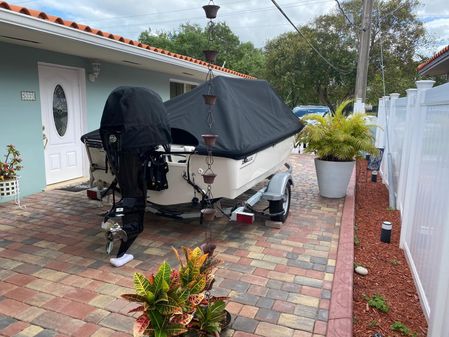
(340, 312)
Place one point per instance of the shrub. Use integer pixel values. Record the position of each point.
(337, 137)
(12, 163)
(176, 301)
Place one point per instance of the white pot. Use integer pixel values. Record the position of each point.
(333, 177)
(8, 187)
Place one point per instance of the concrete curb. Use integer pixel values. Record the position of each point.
(340, 312)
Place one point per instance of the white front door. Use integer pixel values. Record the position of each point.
(62, 122)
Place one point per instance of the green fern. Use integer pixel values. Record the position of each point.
(337, 137)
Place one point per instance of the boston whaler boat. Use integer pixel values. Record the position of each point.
(255, 137)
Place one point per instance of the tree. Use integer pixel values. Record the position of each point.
(398, 31)
(302, 76)
(191, 40)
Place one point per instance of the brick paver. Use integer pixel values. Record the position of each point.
(55, 279)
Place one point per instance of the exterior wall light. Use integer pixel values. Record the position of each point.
(93, 75)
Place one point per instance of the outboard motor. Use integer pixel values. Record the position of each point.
(133, 125)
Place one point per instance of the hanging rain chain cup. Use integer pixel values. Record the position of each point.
(211, 10)
(209, 139)
(209, 175)
(208, 213)
(210, 55)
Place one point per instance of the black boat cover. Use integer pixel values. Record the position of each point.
(248, 117)
(140, 117)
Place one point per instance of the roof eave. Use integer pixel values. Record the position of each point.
(55, 29)
(437, 66)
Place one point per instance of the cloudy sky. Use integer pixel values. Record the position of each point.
(252, 20)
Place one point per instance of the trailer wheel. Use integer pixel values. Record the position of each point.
(278, 206)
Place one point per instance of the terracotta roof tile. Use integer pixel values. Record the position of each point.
(44, 16)
(434, 57)
(24, 10)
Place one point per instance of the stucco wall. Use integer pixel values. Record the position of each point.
(20, 121)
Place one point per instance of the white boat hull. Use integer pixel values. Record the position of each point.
(234, 177)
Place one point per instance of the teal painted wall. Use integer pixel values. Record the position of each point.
(20, 121)
(111, 76)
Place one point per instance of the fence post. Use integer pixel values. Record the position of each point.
(410, 123)
(412, 175)
(390, 143)
(380, 134)
(359, 106)
(386, 104)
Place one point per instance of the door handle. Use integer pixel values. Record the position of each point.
(44, 137)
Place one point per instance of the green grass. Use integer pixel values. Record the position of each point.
(379, 303)
(403, 329)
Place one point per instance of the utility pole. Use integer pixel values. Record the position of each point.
(362, 64)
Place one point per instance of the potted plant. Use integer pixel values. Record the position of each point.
(176, 302)
(8, 171)
(337, 140)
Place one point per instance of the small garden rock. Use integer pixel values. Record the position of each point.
(361, 270)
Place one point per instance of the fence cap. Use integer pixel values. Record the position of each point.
(411, 91)
(394, 95)
(425, 84)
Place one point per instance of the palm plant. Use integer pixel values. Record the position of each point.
(336, 137)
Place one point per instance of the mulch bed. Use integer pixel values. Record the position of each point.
(389, 275)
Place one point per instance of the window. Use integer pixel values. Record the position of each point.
(60, 110)
(179, 88)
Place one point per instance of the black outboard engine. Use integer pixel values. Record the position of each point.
(133, 124)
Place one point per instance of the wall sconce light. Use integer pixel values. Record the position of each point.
(93, 75)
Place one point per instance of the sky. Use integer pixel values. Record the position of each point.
(256, 21)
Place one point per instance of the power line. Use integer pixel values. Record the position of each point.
(395, 10)
(226, 14)
(379, 23)
(344, 72)
(343, 12)
(382, 66)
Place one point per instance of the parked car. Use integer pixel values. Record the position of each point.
(302, 110)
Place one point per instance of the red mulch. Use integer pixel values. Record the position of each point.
(389, 274)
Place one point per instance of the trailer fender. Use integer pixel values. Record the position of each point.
(277, 185)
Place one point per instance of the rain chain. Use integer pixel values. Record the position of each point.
(208, 213)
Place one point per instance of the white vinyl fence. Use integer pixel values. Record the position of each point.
(414, 131)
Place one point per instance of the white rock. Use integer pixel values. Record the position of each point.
(361, 270)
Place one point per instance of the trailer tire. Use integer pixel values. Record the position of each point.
(277, 206)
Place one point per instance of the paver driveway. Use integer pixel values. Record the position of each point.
(55, 279)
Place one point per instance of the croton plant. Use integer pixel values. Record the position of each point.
(176, 301)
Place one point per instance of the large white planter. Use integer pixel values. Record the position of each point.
(8, 187)
(333, 177)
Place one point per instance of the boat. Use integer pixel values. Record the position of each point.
(255, 137)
